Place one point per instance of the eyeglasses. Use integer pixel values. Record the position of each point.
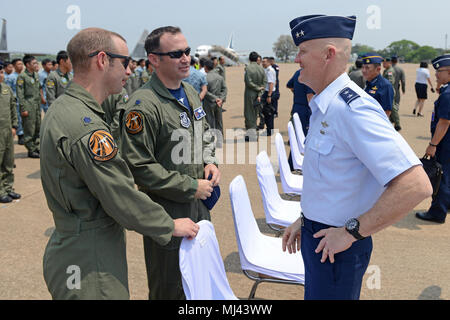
(174, 54)
(125, 62)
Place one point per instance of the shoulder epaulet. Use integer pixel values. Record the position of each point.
(348, 95)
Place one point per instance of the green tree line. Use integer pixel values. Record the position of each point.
(406, 50)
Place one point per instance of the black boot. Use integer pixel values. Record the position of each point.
(21, 141)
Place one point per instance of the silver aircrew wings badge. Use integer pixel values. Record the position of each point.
(134, 122)
(102, 145)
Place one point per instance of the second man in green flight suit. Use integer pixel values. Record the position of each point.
(255, 82)
(8, 127)
(57, 80)
(173, 173)
(29, 96)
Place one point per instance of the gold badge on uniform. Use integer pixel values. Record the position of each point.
(102, 145)
(50, 84)
(134, 122)
(20, 82)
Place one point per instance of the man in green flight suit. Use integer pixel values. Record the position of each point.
(255, 82)
(29, 96)
(87, 184)
(57, 80)
(213, 101)
(8, 127)
(399, 80)
(174, 174)
(389, 73)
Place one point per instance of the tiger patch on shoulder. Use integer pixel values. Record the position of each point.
(102, 146)
(134, 122)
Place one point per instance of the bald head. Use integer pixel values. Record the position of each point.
(337, 49)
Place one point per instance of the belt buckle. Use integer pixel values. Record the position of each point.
(302, 219)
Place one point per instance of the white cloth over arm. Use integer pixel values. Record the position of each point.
(202, 269)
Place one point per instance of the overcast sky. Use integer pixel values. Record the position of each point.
(42, 26)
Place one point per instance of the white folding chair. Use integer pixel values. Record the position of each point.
(299, 131)
(297, 157)
(279, 212)
(201, 265)
(259, 253)
(292, 184)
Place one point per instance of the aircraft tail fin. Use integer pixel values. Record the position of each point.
(139, 50)
(3, 39)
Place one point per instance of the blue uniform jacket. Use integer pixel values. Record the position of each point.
(442, 110)
(381, 90)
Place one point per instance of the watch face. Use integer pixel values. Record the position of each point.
(352, 224)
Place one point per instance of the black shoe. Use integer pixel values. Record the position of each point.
(428, 217)
(398, 128)
(21, 141)
(260, 127)
(14, 195)
(414, 111)
(5, 199)
(33, 154)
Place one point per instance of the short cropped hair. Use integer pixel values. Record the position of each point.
(209, 64)
(87, 41)
(15, 61)
(45, 61)
(253, 56)
(152, 43)
(28, 58)
(192, 61)
(423, 64)
(62, 55)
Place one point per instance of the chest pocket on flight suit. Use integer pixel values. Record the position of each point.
(321, 150)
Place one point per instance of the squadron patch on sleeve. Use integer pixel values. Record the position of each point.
(102, 145)
(50, 84)
(134, 122)
(20, 82)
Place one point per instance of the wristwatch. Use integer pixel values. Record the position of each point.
(352, 227)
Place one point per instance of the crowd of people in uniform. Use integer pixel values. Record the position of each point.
(110, 102)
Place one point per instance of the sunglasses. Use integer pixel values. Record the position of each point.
(125, 62)
(174, 54)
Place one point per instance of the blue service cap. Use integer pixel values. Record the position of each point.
(441, 61)
(321, 26)
(372, 57)
(394, 57)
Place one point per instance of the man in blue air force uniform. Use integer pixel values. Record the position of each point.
(439, 145)
(360, 175)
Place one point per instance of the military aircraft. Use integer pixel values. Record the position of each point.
(231, 56)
